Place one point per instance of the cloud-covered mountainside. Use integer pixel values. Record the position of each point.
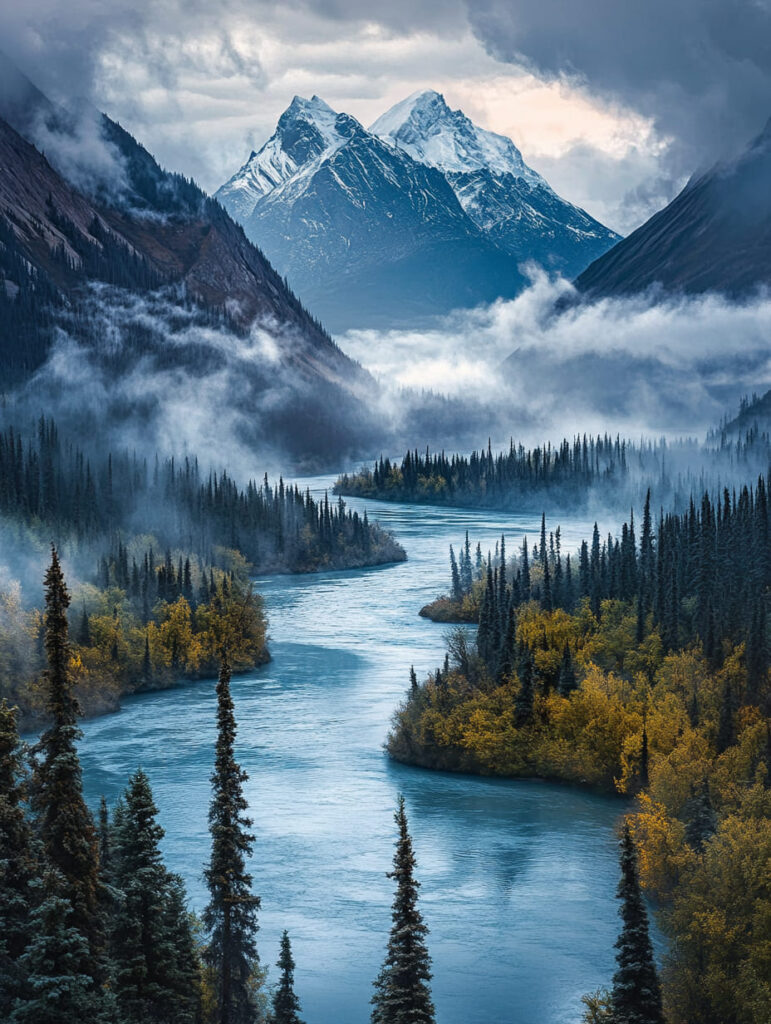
(545, 364)
(715, 236)
(125, 288)
(129, 299)
(422, 214)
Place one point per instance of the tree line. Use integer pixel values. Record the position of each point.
(699, 576)
(566, 475)
(48, 482)
(639, 665)
(136, 629)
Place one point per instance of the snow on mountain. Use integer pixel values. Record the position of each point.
(423, 213)
(500, 193)
(307, 130)
(430, 132)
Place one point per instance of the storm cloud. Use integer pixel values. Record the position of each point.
(201, 82)
(639, 365)
(700, 68)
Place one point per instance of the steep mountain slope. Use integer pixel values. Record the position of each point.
(714, 236)
(364, 233)
(504, 197)
(144, 274)
(306, 130)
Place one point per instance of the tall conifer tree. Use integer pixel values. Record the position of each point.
(65, 823)
(525, 699)
(17, 866)
(567, 675)
(231, 915)
(57, 990)
(153, 982)
(402, 992)
(286, 1005)
(636, 996)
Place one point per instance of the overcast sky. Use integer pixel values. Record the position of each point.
(614, 102)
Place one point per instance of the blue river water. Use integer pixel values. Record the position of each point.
(518, 877)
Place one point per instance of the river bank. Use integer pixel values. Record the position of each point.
(529, 869)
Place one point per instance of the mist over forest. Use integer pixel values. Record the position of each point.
(387, 469)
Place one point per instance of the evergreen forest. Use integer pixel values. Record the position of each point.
(638, 665)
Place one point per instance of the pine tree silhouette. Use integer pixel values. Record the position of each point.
(286, 1005)
(402, 993)
(231, 914)
(636, 996)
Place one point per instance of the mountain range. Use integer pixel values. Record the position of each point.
(129, 299)
(714, 236)
(423, 213)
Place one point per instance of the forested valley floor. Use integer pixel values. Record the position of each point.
(639, 666)
(163, 554)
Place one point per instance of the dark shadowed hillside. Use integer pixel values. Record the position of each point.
(149, 254)
(715, 236)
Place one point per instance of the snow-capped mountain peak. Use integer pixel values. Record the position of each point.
(423, 213)
(432, 133)
(314, 112)
(307, 130)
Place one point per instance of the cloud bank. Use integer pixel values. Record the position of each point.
(700, 68)
(650, 364)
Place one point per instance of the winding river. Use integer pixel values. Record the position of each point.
(518, 878)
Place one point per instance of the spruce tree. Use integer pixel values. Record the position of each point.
(184, 975)
(524, 701)
(457, 591)
(57, 990)
(726, 730)
(84, 629)
(147, 664)
(701, 820)
(466, 569)
(636, 996)
(507, 655)
(567, 677)
(525, 569)
(413, 680)
(757, 656)
(402, 992)
(644, 775)
(65, 824)
(152, 982)
(17, 864)
(103, 827)
(285, 1004)
(231, 914)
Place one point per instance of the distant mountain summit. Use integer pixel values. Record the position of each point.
(424, 213)
(714, 236)
(306, 130)
(504, 197)
(425, 126)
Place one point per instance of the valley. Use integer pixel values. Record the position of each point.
(383, 500)
(514, 864)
